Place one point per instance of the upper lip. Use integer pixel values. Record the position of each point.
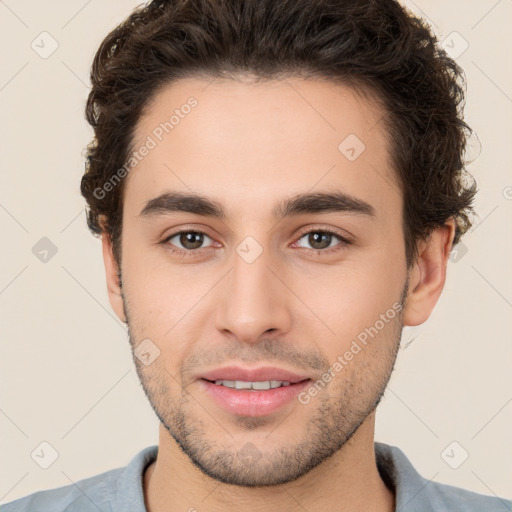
(253, 374)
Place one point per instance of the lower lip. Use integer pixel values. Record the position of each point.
(252, 403)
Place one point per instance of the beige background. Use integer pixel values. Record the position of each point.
(66, 372)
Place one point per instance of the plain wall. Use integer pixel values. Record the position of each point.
(67, 377)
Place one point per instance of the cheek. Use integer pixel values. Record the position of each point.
(156, 289)
(165, 304)
(349, 301)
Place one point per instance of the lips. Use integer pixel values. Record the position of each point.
(234, 373)
(252, 392)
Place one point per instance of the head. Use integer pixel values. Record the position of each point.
(276, 184)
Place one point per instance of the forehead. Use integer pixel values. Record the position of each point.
(243, 141)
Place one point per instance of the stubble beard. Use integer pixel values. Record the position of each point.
(337, 413)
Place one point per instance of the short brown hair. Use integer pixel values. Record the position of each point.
(373, 43)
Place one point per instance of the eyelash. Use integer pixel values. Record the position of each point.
(192, 252)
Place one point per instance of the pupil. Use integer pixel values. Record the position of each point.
(191, 240)
(315, 237)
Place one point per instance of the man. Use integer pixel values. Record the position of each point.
(278, 188)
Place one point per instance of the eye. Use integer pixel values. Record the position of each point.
(186, 241)
(190, 242)
(323, 241)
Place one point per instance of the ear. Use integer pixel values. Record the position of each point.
(111, 271)
(428, 275)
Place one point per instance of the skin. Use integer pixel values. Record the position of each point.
(249, 146)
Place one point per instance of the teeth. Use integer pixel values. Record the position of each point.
(258, 386)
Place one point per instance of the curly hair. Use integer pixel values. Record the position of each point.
(376, 44)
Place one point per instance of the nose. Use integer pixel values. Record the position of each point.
(254, 300)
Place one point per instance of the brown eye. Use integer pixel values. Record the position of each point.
(322, 241)
(187, 240)
(319, 240)
(191, 240)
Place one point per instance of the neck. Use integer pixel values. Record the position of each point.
(349, 481)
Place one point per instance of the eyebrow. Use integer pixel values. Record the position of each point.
(319, 202)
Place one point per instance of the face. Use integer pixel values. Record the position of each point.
(248, 284)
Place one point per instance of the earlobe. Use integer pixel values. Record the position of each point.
(428, 274)
(112, 277)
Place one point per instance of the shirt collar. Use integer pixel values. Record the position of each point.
(410, 488)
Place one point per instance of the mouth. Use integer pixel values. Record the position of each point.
(252, 386)
(252, 392)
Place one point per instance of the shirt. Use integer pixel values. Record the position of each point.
(121, 490)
